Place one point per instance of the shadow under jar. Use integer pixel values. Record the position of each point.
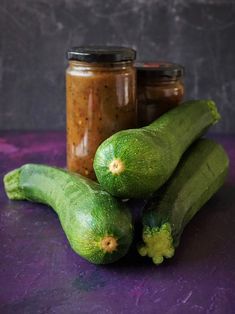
(160, 87)
(100, 100)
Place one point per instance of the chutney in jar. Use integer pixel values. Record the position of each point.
(100, 100)
(160, 87)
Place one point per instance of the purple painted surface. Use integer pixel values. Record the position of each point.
(39, 273)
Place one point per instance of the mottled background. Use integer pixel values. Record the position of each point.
(34, 35)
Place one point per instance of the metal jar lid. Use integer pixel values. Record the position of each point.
(161, 69)
(101, 54)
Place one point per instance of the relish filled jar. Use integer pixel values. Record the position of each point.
(100, 100)
(160, 87)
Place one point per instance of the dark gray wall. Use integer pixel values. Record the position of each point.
(34, 35)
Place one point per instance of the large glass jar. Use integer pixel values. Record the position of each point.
(160, 87)
(101, 100)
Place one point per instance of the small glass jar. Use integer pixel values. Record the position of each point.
(100, 100)
(160, 87)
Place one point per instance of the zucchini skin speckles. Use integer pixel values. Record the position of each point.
(135, 163)
(200, 173)
(98, 226)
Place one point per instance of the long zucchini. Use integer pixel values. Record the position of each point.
(134, 163)
(200, 173)
(98, 227)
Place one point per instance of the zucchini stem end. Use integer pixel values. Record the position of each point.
(12, 185)
(158, 243)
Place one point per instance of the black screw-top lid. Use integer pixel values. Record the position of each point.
(159, 69)
(101, 54)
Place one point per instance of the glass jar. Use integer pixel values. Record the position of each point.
(100, 100)
(160, 87)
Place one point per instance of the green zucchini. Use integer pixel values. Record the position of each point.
(200, 173)
(98, 226)
(134, 163)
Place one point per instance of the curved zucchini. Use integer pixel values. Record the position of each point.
(98, 227)
(135, 163)
(200, 173)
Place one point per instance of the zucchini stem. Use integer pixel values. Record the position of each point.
(214, 111)
(12, 186)
(158, 243)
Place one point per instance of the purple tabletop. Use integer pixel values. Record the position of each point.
(39, 272)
